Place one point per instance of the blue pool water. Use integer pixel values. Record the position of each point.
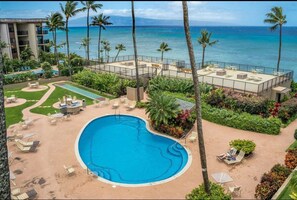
(121, 149)
(80, 91)
(41, 71)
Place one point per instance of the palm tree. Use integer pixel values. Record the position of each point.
(204, 41)
(3, 45)
(277, 19)
(197, 98)
(69, 10)
(89, 5)
(54, 22)
(101, 22)
(119, 47)
(135, 51)
(84, 44)
(163, 48)
(106, 48)
(4, 166)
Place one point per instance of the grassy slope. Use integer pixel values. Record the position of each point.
(53, 98)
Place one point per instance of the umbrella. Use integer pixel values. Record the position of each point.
(222, 177)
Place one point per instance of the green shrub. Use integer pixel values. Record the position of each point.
(295, 134)
(216, 192)
(247, 146)
(141, 104)
(242, 121)
(47, 69)
(288, 110)
(18, 78)
(33, 64)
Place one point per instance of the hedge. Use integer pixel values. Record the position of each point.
(19, 78)
(243, 121)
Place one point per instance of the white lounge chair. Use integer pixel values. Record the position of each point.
(69, 170)
(31, 194)
(28, 144)
(131, 106)
(193, 136)
(25, 149)
(115, 104)
(235, 190)
(238, 158)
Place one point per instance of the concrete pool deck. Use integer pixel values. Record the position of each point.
(57, 149)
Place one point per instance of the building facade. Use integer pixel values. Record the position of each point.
(19, 33)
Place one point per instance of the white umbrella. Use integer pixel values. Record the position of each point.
(221, 177)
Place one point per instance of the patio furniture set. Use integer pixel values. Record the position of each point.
(33, 85)
(11, 99)
(70, 105)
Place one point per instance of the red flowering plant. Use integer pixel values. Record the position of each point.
(274, 111)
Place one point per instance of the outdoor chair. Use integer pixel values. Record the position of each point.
(67, 117)
(53, 121)
(69, 170)
(193, 136)
(237, 159)
(131, 106)
(115, 104)
(23, 126)
(25, 149)
(31, 194)
(235, 190)
(15, 191)
(28, 144)
(231, 153)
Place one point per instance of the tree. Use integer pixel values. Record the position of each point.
(161, 108)
(54, 22)
(119, 47)
(84, 44)
(47, 68)
(163, 48)
(135, 51)
(204, 41)
(197, 99)
(4, 166)
(101, 21)
(89, 5)
(106, 48)
(26, 54)
(3, 45)
(69, 10)
(277, 19)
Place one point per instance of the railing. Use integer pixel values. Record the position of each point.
(23, 42)
(42, 32)
(22, 33)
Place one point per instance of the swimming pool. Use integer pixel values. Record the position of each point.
(80, 91)
(41, 71)
(121, 151)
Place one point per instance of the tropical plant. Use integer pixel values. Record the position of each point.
(161, 108)
(247, 146)
(47, 68)
(3, 45)
(4, 166)
(69, 10)
(84, 44)
(106, 48)
(197, 99)
(163, 48)
(277, 19)
(135, 51)
(55, 22)
(216, 192)
(204, 41)
(89, 5)
(119, 47)
(26, 54)
(101, 21)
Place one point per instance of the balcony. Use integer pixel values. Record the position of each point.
(43, 42)
(22, 33)
(23, 43)
(42, 32)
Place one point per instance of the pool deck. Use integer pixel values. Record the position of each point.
(57, 144)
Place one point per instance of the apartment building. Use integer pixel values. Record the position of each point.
(19, 33)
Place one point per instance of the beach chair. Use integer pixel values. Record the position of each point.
(69, 170)
(231, 153)
(238, 158)
(28, 144)
(31, 194)
(15, 191)
(106, 101)
(25, 149)
(193, 136)
(53, 121)
(23, 126)
(235, 190)
(115, 105)
(131, 106)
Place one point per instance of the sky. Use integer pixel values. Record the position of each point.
(242, 13)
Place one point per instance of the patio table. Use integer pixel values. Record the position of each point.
(221, 177)
(10, 99)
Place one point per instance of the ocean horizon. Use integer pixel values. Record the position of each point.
(254, 45)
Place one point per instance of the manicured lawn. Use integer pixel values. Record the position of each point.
(287, 190)
(14, 114)
(53, 98)
(293, 146)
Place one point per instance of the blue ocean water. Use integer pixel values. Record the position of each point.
(121, 149)
(246, 45)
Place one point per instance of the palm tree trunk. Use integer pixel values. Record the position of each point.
(279, 48)
(4, 166)
(88, 36)
(115, 58)
(135, 52)
(203, 53)
(55, 47)
(99, 40)
(197, 99)
(67, 42)
(162, 62)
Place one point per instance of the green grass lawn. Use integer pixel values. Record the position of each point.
(53, 98)
(14, 114)
(293, 146)
(287, 190)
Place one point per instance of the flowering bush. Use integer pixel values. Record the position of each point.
(291, 158)
(274, 111)
(288, 110)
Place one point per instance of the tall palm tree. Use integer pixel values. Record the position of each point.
(89, 5)
(84, 44)
(135, 51)
(197, 98)
(119, 47)
(4, 166)
(101, 21)
(163, 48)
(204, 41)
(106, 48)
(69, 10)
(54, 22)
(277, 19)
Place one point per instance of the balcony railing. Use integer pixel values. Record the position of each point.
(22, 33)
(42, 42)
(42, 32)
(23, 42)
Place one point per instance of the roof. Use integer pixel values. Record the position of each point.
(281, 89)
(22, 20)
(185, 105)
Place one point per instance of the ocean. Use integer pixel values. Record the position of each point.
(244, 45)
